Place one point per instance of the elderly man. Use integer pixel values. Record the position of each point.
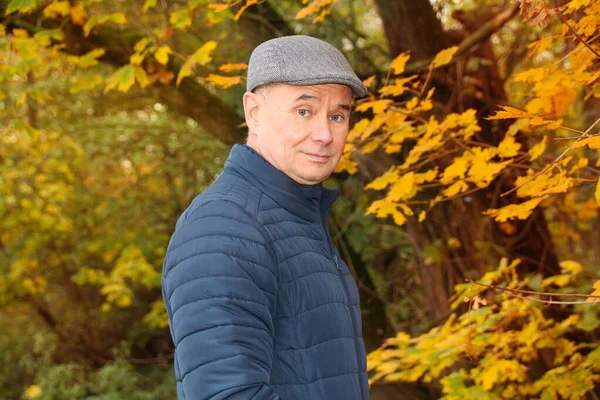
(260, 304)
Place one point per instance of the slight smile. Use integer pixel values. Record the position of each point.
(317, 158)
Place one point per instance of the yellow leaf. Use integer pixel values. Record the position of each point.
(20, 33)
(508, 228)
(597, 194)
(558, 280)
(54, 9)
(456, 188)
(596, 292)
(422, 216)
(575, 5)
(384, 180)
(536, 151)
(404, 188)
(426, 176)
(244, 7)
(369, 81)
(223, 81)
(593, 142)
(141, 44)
(444, 57)
(322, 16)
(378, 106)
(162, 54)
(33, 391)
(148, 4)
(399, 87)
(501, 371)
(233, 67)
(399, 63)
(530, 75)
(519, 211)
(219, 7)
(201, 56)
(571, 267)
(141, 77)
(124, 77)
(383, 208)
(136, 58)
(2, 30)
(78, 15)
(118, 18)
(510, 112)
(482, 172)
(508, 147)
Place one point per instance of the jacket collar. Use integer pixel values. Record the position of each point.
(310, 202)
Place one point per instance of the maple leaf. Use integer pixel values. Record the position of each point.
(162, 54)
(201, 56)
(224, 81)
(444, 57)
(369, 81)
(519, 211)
(384, 180)
(593, 142)
(399, 63)
(378, 106)
(383, 208)
(219, 7)
(597, 194)
(596, 292)
(233, 67)
(536, 151)
(404, 188)
(57, 8)
(509, 112)
(508, 147)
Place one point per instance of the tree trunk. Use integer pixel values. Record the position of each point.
(411, 25)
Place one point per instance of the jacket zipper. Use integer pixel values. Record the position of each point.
(337, 266)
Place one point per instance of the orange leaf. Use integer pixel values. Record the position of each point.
(233, 67)
(223, 81)
(78, 15)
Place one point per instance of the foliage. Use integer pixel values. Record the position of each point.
(508, 349)
(95, 169)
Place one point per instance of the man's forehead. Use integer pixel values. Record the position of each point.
(316, 92)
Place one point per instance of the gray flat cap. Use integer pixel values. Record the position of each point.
(300, 60)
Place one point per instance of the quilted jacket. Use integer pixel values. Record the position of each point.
(260, 304)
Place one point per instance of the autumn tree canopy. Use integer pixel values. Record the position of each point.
(470, 185)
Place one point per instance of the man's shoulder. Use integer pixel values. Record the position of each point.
(228, 196)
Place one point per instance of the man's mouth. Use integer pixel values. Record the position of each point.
(318, 158)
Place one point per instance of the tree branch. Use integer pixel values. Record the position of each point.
(481, 34)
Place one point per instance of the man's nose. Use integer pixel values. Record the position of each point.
(322, 132)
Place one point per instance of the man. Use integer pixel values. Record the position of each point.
(260, 304)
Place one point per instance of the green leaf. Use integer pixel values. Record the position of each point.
(124, 78)
(148, 4)
(201, 56)
(181, 19)
(23, 6)
(141, 44)
(90, 59)
(86, 83)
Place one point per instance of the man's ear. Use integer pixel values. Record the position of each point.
(252, 104)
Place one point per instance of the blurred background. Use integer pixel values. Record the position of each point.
(114, 115)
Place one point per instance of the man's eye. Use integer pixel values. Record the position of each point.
(303, 113)
(337, 118)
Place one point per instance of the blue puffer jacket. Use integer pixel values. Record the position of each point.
(260, 304)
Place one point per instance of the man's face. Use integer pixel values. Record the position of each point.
(301, 130)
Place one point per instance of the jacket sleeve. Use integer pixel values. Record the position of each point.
(219, 288)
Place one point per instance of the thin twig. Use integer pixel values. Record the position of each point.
(514, 293)
(562, 18)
